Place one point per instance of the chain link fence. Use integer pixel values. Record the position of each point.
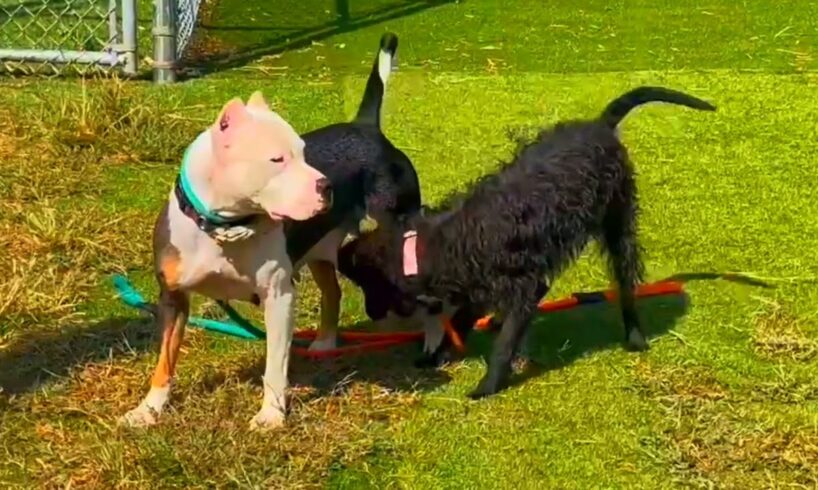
(54, 36)
(187, 15)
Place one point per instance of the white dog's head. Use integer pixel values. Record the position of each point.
(259, 164)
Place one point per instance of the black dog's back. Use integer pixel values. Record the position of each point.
(560, 186)
(368, 173)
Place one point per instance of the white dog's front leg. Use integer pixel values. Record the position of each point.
(278, 319)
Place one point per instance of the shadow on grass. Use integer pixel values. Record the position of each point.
(555, 340)
(209, 54)
(39, 357)
(686, 277)
(391, 369)
(46, 356)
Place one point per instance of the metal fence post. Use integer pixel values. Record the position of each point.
(129, 44)
(164, 41)
(113, 25)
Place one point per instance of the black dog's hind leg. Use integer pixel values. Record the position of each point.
(515, 323)
(623, 249)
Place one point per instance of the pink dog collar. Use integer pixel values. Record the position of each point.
(410, 254)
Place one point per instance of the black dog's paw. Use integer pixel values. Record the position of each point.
(636, 342)
(486, 387)
(481, 392)
(434, 360)
(426, 361)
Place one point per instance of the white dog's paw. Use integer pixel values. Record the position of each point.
(267, 418)
(327, 343)
(141, 416)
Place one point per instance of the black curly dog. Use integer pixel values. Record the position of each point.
(503, 244)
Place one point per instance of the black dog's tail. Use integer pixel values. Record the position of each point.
(370, 110)
(620, 107)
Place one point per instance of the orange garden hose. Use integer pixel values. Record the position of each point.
(370, 341)
(377, 341)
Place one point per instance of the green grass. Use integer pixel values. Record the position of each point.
(529, 35)
(726, 397)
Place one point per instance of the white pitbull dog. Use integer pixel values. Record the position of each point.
(221, 235)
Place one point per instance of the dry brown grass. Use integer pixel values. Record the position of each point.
(787, 390)
(59, 243)
(71, 437)
(780, 335)
(113, 120)
(680, 383)
(714, 440)
(719, 450)
(56, 241)
(57, 256)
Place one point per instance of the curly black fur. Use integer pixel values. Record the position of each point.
(500, 248)
(368, 173)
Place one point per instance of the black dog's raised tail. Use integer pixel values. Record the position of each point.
(370, 110)
(620, 107)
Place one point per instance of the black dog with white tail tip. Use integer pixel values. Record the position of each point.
(370, 177)
(500, 248)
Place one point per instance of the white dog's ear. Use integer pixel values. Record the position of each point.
(232, 114)
(257, 101)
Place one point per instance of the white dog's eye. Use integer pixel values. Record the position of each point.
(277, 159)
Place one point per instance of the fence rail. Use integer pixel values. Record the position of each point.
(53, 36)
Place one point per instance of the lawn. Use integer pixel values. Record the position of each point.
(727, 396)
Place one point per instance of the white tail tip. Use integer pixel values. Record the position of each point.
(384, 66)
